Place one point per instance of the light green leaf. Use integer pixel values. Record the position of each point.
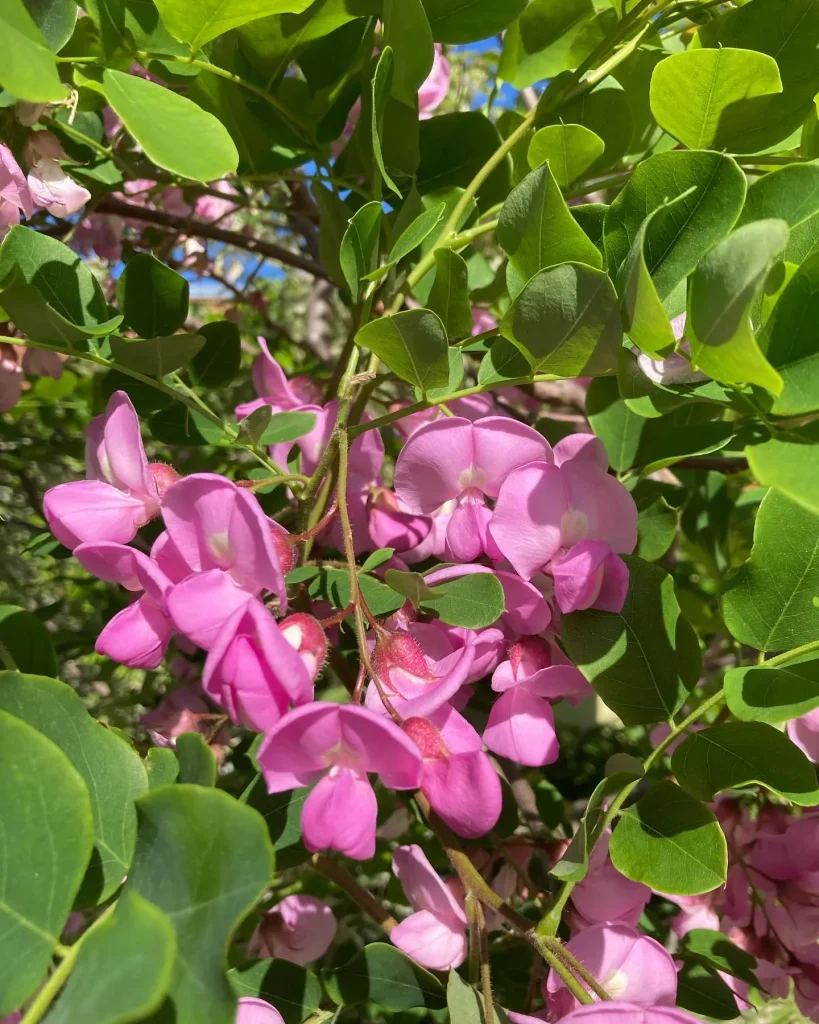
(760, 694)
(27, 66)
(449, 297)
(333, 585)
(180, 425)
(156, 357)
(472, 601)
(643, 660)
(287, 426)
(415, 232)
(537, 231)
(407, 31)
(218, 361)
(162, 767)
(656, 529)
(573, 866)
(716, 950)
(566, 321)
(768, 602)
(788, 193)
(720, 297)
(381, 89)
(569, 149)
(614, 423)
(205, 860)
(701, 990)
(790, 463)
(670, 842)
(413, 344)
(197, 765)
(27, 640)
(605, 110)
(123, 968)
(456, 21)
(551, 36)
(175, 133)
(743, 754)
(383, 975)
(196, 22)
(109, 766)
(45, 817)
(359, 246)
(295, 992)
(55, 19)
(39, 320)
(456, 376)
(503, 361)
(719, 87)
(153, 298)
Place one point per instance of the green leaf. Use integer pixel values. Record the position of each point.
(656, 529)
(454, 147)
(333, 585)
(569, 149)
(551, 36)
(768, 602)
(294, 991)
(58, 273)
(156, 357)
(573, 866)
(413, 344)
(196, 23)
(759, 694)
(27, 66)
(253, 426)
(175, 133)
(456, 376)
(162, 767)
(789, 193)
(643, 660)
(701, 990)
(383, 975)
(503, 361)
(720, 298)
(415, 233)
(605, 110)
(792, 337)
(27, 640)
(614, 423)
(108, 764)
(790, 466)
(381, 89)
(449, 297)
(716, 950)
(219, 359)
(287, 426)
(566, 321)
(197, 765)
(180, 425)
(282, 815)
(676, 243)
(670, 842)
(453, 21)
(39, 320)
(123, 968)
(743, 754)
(55, 19)
(407, 31)
(359, 247)
(536, 230)
(472, 601)
(462, 1001)
(667, 441)
(153, 298)
(205, 860)
(45, 817)
(377, 558)
(719, 86)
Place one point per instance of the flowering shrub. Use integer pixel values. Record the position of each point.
(410, 459)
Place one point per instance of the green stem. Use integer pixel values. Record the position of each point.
(344, 880)
(7, 658)
(797, 652)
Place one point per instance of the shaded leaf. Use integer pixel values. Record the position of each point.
(153, 298)
(760, 694)
(413, 344)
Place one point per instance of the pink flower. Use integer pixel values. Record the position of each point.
(390, 525)
(336, 746)
(50, 186)
(544, 509)
(605, 896)
(435, 935)
(457, 459)
(137, 636)
(589, 574)
(627, 1013)
(253, 671)
(257, 1011)
(482, 321)
(101, 234)
(438, 640)
(210, 207)
(695, 912)
(628, 965)
(804, 732)
(42, 363)
(15, 195)
(120, 494)
(177, 713)
(435, 86)
(11, 374)
(220, 532)
(273, 387)
(416, 684)
(457, 777)
(300, 929)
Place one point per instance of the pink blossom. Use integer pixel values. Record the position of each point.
(137, 636)
(435, 86)
(210, 207)
(50, 186)
(457, 459)
(220, 532)
(11, 374)
(257, 1011)
(336, 746)
(300, 929)
(15, 195)
(482, 321)
(42, 363)
(252, 669)
(120, 494)
(457, 777)
(589, 574)
(804, 732)
(605, 896)
(391, 525)
(273, 387)
(438, 640)
(627, 1013)
(101, 234)
(695, 912)
(415, 683)
(544, 509)
(308, 639)
(435, 935)
(177, 713)
(628, 965)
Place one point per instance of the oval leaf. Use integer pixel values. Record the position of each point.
(759, 694)
(412, 344)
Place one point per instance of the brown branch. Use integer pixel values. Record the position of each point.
(188, 226)
(726, 465)
(344, 880)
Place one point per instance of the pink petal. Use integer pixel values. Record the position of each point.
(137, 636)
(13, 186)
(606, 896)
(502, 445)
(423, 886)
(293, 753)
(578, 575)
(465, 791)
(464, 530)
(90, 510)
(435, 86)
(201, 604)
(432, 942)
(381, 746)
(521, 727)
(435, 464)
(627, 1013)
(166, 555)
(528, 515)
(582, 448)
(52, 189)
(300, 929)
(118, 563)
(606, 506)
(257, 1011)
(114, 450)
(393, 528)
(340, 814)
(804, 732)
(526, 609)
(270, 380)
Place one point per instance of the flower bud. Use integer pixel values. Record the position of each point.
(163, 476)
(305, 635)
